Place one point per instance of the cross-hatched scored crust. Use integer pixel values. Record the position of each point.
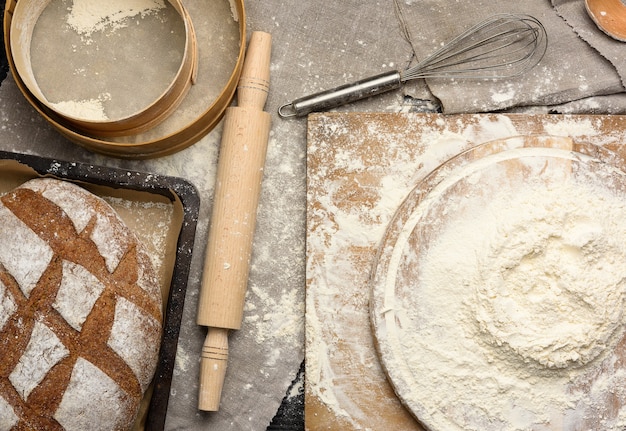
(80, 312)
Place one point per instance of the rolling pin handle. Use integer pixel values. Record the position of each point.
(213, 362)
(254, 82)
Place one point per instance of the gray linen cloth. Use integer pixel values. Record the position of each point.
(581, 67)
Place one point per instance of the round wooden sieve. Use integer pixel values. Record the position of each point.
(25, 17)
(219, 29)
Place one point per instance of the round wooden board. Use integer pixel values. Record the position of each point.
(403, 317)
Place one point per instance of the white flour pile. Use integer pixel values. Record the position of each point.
(91, 109)
(511, 318)
(88, 16)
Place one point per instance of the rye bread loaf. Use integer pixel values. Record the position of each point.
(80, 312)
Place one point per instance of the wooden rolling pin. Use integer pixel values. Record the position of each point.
(238, 186)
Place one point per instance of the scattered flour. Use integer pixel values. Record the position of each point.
(505, 95)
(233, 10)
(280, 320)
(573, 128)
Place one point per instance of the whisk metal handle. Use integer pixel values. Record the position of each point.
(342, 95)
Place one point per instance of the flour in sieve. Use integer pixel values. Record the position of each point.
(91, 109)
(88, 16)
(520, 298)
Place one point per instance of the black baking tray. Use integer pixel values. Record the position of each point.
(172, 188)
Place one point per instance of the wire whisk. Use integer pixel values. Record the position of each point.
(503, 46)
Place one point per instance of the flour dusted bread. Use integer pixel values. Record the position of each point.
(80, 312)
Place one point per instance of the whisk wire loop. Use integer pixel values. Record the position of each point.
(505, 43)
